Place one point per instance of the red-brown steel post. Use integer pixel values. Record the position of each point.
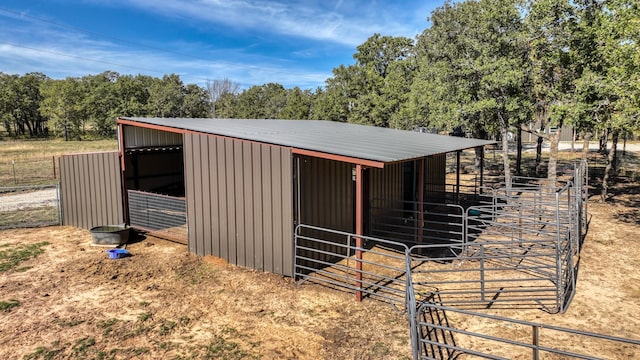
(420, 199)
(359, 230)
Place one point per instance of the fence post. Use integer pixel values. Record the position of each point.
(536, 342)
(53, 161)
(13, 164)
(482, 272)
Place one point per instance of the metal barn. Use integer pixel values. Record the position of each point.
(237, 189)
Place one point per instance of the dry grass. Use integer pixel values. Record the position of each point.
(32, 162)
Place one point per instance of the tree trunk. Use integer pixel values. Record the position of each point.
(608, 171)
(519, 151)
(585, 146)
(538, 153)
(505, 155)
(552, 167)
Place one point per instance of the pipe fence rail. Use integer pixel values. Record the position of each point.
(161, 214)
(30, 206)
(376, 269)
(506, 338)
(508, 246)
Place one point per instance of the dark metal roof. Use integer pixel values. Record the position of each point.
(356, 141)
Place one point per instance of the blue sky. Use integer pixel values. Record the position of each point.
(251, 42)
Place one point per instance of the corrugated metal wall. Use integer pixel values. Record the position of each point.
(386, 183)
(91, 191)
(326, 193)
(435, 177)
(142, 137)
(240, 202)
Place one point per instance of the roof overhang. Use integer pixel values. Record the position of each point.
(359, 144)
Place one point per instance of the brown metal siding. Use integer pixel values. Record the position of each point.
(326, 194)
(142, 137)
(91, 190)
(239, 197)
(434, 177)
(386, 183)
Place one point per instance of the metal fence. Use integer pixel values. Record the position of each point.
(365, 266)
(516, 246)
(29, 206)
(505, 338)
(28, 172)
(161, 214)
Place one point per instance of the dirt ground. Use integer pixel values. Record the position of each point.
(75, 302)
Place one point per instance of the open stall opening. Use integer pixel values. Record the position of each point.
(153, 178)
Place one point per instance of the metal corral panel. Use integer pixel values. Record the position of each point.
(144, 137)
(326, 200)
(351, 140)
(91, 191)
(240, 202)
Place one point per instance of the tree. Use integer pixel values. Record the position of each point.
(20, 99)
(473, 70)
(262, 102)
(362, 93)
(196, 103)
(620, 51)
(101, 100)
(166, 96)
(62, 103)
(298, 104)
(548, 24)
(220, 88)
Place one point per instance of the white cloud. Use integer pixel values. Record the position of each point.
(346, 23)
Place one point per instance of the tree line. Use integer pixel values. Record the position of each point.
(494, 67)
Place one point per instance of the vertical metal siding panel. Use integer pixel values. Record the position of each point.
(85, 182)
(190, 195)
(240, 220)
(65, 192)
(84, 190)
(117, 188)
(231, 201)
(222, 205)
(287, 211)
(75, 219)
(206, 195)
(77, 206)
(107, 177)
(197, 192)
(276, 209)
(214, 197)
(267, 199)
(249, 235)
(96, 189)
(258, 205)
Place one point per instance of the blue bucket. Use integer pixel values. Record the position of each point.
(117, 253)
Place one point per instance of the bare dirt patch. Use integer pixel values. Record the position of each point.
(162, 302)
(72, 301)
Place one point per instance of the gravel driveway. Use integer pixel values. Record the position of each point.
(26, 200)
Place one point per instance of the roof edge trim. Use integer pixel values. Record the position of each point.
(342, 158)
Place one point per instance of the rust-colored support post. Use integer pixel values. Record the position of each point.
(125, 196)
(420, 199)
(359, 229)
(53, 161)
